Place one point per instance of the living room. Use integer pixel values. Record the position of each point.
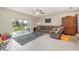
(37, 32)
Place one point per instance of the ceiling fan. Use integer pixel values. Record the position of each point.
(37, 12)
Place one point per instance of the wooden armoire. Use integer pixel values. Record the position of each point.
(70, 25)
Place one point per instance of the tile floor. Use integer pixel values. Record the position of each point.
(43, 43)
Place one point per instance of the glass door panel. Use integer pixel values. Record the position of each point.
(21, 26)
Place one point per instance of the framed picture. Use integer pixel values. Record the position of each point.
(47, 20)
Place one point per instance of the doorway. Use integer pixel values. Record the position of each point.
(20, 26)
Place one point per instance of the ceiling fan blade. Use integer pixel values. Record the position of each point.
(37, 10)
(42, 12)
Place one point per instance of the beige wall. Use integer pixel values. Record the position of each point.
(55, 19)
(6, 17)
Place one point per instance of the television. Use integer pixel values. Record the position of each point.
(47, 20)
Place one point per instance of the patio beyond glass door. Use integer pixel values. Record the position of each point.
(21, 26)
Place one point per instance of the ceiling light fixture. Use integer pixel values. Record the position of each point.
(38, 12)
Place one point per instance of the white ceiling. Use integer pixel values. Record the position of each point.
(47, 10)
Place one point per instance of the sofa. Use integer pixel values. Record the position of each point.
(44, 29)
(56, 32)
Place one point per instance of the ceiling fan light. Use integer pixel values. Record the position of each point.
(37, 13)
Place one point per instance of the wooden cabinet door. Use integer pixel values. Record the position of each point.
(69, 23)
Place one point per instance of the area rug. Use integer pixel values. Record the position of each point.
(23, 39)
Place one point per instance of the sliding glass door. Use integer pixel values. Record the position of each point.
(21, 26)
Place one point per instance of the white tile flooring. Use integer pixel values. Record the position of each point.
(43, 43)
